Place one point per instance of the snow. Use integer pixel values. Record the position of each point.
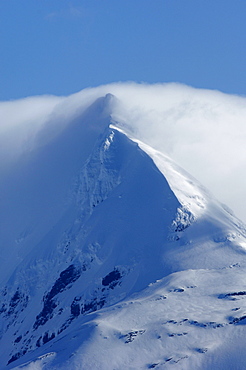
(40, 363)
(112, 256)
(202, 130)
(180, 321)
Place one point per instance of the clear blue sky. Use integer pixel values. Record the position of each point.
(60, 47)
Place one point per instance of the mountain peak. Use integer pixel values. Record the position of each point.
(112, 241)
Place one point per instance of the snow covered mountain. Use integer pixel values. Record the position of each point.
(113, 257)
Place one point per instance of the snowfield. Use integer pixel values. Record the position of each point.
(112, 256)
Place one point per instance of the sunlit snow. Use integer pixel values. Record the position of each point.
(112, 256)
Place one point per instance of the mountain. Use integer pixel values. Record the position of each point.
(113, 257)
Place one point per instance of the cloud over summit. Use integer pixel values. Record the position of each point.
(202, 130)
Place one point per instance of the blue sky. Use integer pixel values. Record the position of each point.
(60, 47)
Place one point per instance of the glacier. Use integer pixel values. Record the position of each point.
(113, 257)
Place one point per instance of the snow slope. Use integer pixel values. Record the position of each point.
(115, 258)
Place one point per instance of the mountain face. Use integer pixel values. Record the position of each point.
(113, 257)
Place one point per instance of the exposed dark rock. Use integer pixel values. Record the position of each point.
(152, 366)
(16, 356)
(112, 277)
(67, 277)
(18, 339)
(201, 350)
(160, 298)
(238, 320)
(17, 300)
(132, 335)
(38, 343)
(65, 325)
(171, 322)
(75, 309)
(210, 324)
(93, 305)
(14, 300)
(196, 323)
(229, 295)
(3, 308)
(177, 290)
(47, 338)
(45, 314)
(177, 334)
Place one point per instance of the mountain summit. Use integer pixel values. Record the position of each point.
(113, 257)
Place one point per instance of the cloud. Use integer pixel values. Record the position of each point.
(70, 12)
(20, 121)
(28, 123)
(202, 130)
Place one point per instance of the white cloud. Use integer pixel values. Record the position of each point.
(204, 131)
(20, 120)
(71, 11)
